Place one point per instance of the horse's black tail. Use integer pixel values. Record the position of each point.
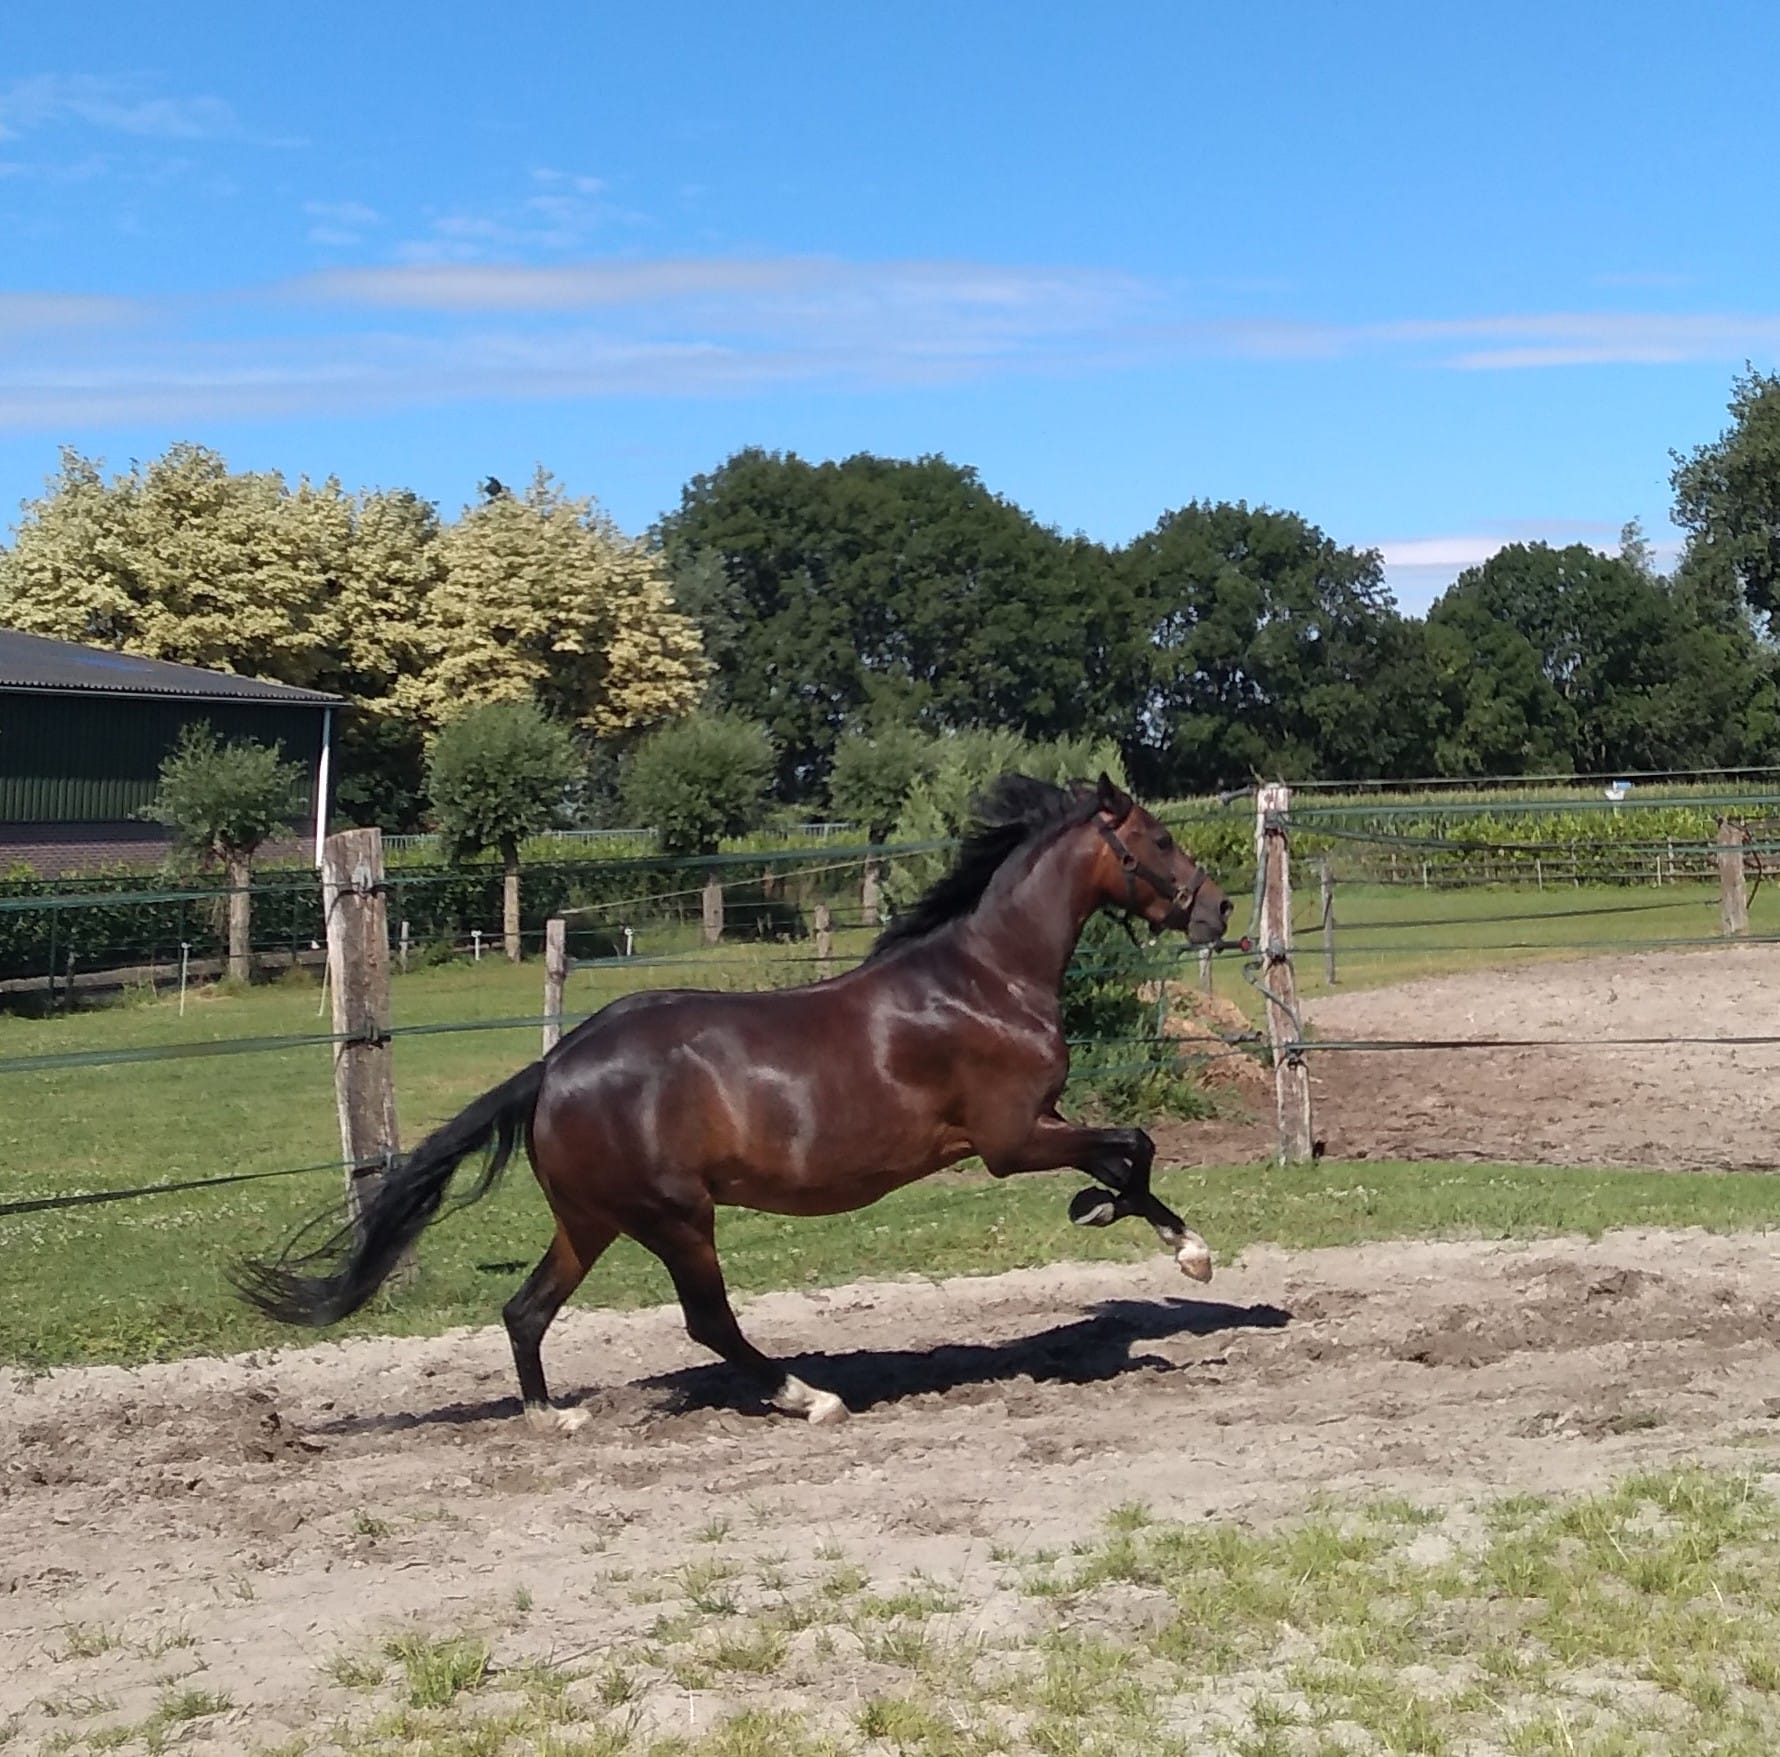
(321, 1283)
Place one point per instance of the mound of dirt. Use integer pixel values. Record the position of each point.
(1209, 1029)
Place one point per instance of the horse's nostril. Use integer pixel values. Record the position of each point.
(1227, 908)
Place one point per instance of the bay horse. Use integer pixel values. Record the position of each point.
(947, 1041)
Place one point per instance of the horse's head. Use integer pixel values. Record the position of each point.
(1150, 874)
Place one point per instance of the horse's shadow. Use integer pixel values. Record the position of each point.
(1091, 1350)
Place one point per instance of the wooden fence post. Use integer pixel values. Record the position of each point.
(713, 910)
(1733, 891)
(358, 962)
(556, 976)
(1291, 1078)
(824, 940)
(1205, 979)
(871, 895)
(1328, 891)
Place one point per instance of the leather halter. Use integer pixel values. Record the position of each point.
(1179, 898)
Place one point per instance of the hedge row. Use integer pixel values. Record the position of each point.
(145, 917)
(1624, 845)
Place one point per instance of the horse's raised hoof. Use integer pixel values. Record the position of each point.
(542, 1418)
(1193, 1258)
(820, 1409)
(1091, 1207)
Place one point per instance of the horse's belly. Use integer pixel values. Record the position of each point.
(834, 1184)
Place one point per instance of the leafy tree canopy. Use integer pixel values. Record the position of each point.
(224, 800)
(900, 589)
(1727, 497)
(497, 775)
(700, 779)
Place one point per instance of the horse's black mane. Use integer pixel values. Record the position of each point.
(1012, 812)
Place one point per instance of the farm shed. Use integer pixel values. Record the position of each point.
(83, 733)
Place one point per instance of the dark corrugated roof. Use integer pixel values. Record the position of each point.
(29, 662)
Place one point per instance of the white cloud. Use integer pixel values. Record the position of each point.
(1456, 553)
(1419, 569)
(407, 333)
(1584, 338)
(22, 313)
(343, 213)
(122, 106)
(339, 224)
(562, 212)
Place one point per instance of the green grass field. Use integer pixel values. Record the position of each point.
(1386, 934)
(145, 1278)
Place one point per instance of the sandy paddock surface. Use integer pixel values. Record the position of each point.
(239, 1523)
(1681, 1106)
(268, 1513)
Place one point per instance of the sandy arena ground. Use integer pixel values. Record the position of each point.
(267, 1512)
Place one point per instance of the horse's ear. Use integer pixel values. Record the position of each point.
(1113, 797)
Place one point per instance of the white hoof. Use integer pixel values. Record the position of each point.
(542, 1419)
(827, 1410)
(1193, 1257)
(819, 1408)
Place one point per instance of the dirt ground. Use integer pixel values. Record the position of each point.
(240, 1522)
(1666, 1106)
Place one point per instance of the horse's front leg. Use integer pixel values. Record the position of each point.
(1118, 1158)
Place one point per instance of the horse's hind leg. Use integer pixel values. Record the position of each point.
(687, 1247)
(529, 1313)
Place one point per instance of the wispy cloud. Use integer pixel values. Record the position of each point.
(339, 224)
(560, 212)
(407, 333)
(1419, 569)
(122, 106)
(33, 313)
(673, 329)
(1581, 338)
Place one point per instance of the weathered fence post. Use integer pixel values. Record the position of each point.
(1733, 891)
(358, 962)
(1205, 984)
(556, 976)
(713, 910)
(1291, 1078)
(404, 953)
(1328, 891)
(824, 940)
(871, 894)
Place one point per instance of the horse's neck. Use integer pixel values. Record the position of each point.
(1030, 919)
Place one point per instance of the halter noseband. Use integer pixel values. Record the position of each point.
(1179, 898)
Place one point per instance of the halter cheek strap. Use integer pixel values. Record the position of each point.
(1179, 898)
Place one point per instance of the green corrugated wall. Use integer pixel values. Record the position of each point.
(71, 759)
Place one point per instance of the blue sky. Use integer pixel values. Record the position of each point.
(1435, 277)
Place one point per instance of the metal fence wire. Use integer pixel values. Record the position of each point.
(769, 898)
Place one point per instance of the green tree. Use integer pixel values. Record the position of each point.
(183, 559)
(180, 559)
(883, 589)
(874, 774)
(1274, 650)
(962, 765)
(222, 802)
(699, 779)
(1727, 497)
(496, 775)
(1572, 659)
(542, 597)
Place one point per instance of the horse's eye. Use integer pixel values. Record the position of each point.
(1165, 842)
